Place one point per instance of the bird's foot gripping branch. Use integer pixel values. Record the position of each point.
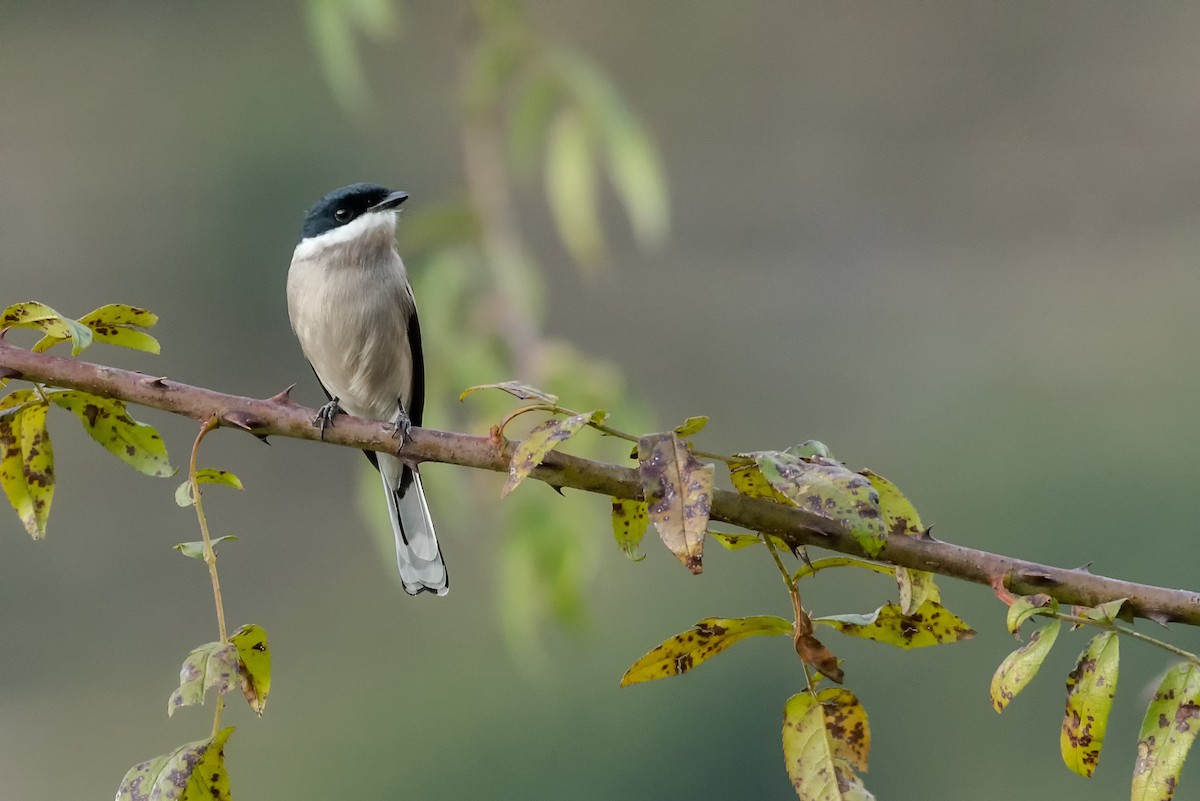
(782, 500)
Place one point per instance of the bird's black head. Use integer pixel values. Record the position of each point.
(347, 204)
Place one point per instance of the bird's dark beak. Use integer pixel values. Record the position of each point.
(390, 202)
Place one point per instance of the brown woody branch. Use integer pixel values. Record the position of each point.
(279, 416)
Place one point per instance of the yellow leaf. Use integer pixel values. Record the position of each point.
(117, 324)
(106, 421)
(192, 772)
(932, 624)
(254, 665)
(901, 518)
(1168, 731)
(678, 489)
(1090, 690)
(26, 459)
(842, 561)
(57, 327)
(749, 480)
(1019, 667)
(824, 740)
(691, 427)
(710, 636)
(629, 522)
(532, 450)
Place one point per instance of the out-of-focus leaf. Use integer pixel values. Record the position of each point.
(27, 459)
(842, 561)
(1104, 613)
(192, 772)
(709, 637)
(571, 187)
(1026, 607)
(106, 421)
(932, 624)
(536, 103)
(516, 389)
(827, 488)
(57, 327)
(824, 739)
(1167, 734)
(691, 426)
(532, 450)
(629, 522)
(1090, 690)
(1019, 667)
(211, 666)
(254, 665)
(195, 549)
(901, 518)
(678, 490)
(333, 25)
(207, 475)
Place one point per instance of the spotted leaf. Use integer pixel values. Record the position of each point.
(932, 624)
(629, 523)
(27, 459)
(254, 665)
(710, 636)
(532, 450)
(516, 389)
(211, 666)
(55, 326)
(1167, 734)
(678, 490)
(1019, 667)
(1090, 690)
(107, 421)
(192, 772)
(824, 739)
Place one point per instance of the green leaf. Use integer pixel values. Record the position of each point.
(810, 448)
(932, 624)
(211, 666)
(678, 489)
(1167, 734)
(254, 665)
(825, 487)
(192, 772)
(709, 637)
(207, 475)
(571, 186)
(1019, 667)
(749, 480)
(629, 522)
(532, 113)
(824, 740)
(1026, 607)
(106, 421)
(195, 549)
(1090, 690)
(1104, 613)
(532, 450)
(842, 561)
(516, 389)
(57, 327)
(900, 518)
(691, 426)
(27, 459)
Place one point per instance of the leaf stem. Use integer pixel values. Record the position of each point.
(210, 556)
(1137, 635)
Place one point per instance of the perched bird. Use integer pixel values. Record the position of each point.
(352, 309)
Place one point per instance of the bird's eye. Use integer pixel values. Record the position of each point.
(342, 215)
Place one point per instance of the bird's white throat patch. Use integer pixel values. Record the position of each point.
(373, 229)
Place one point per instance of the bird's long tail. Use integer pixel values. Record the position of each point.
(417, 553)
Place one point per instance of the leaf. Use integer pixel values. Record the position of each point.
(810, 448)
(106, 421)
(900, 518)
(1090, 690)
(207, 475)
(710, 636)
(679, 492)
(1167, 734)
(192, 772)
(211, 666)
(57, 327)
(516, 389)
(735, 542)
(629, 522)
(824, 739)
(532, 450)
(827, 488)
(1104, 613)
(749, 480)
(195, 549)
(691, 427)
(254, 665)
(571, 186)
(533, 109)
(841, 561)
(27, 459)
(117, 324)
(1026, 607)
(1019, 667)
(932, 624)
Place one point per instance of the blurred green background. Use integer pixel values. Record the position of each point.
(955, 241)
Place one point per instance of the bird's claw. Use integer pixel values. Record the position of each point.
(325, 415)
(401, 425)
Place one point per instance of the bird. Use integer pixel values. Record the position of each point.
(351, 307)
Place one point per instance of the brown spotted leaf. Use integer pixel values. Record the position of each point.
(115, 324)
(678, 490)
(824, 739)
(254, 665)
(827, 488)
(532, 450)
(1019, 667)
(901, 519)
(39, 316)
(749, 480)
(106, 421)
(27, 459)
(516, 389)
(211, 666)
(1090, 690)
(1167, 734)
(192, 772)
(710, 636)
(932, 624)
(629, 522)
